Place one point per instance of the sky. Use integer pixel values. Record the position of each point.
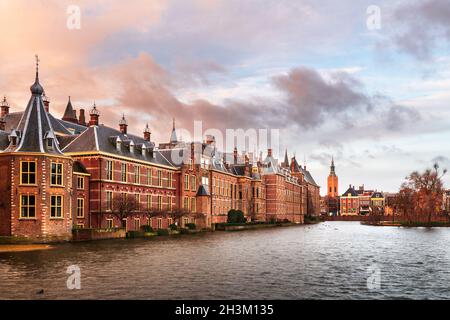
(369, 86)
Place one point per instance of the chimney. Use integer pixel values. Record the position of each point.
(82, 118)
(94, 114)
(235, 155)
(4, 108)
(123, 125)
(2, 123)
(46, 103)
(147, 133)
(269, 152)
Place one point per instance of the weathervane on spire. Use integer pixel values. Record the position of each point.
(37, 62)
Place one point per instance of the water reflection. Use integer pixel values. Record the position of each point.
(325, 261)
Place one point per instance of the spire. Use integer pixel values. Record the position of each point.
(36, 88)
(70, 114)
(286, 160)
(332, 167)
(35, 128)
(173, 136)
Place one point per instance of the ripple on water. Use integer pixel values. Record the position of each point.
(325, 261)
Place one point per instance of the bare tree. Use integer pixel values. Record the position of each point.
(123, 207)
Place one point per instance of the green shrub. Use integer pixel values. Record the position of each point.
(236, 216)
(163, 232)
(191, 226)
(146, 229)
(173, 226)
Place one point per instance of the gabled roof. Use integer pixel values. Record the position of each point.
(350, 191)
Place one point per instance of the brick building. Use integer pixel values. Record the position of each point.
(60, 174)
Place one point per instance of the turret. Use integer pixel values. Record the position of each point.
(147, 133)
(123, 125)
(94, 114)
(4, 107)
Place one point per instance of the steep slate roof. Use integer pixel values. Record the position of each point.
(103, 138)
(4, 141)
(70, 113)
(350, 190)
(306, 173)
(60, 127)
(202, 191)
(377, 194)
(35, 126)
(79, 167)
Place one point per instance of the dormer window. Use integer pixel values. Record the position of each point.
(49, 140)
(14, 137)
(131, 147)
(144, 150)
(118, 144)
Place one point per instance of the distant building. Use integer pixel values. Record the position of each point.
(331, 201)
(350, 202)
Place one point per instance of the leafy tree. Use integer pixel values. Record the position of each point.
(422, 194)
(236, 216)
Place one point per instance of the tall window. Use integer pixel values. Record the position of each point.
(109, 197)
(56, 174)
(109, 170)
(170, 180)
(124, 172)
(169, 203)
(137, 174)
(149, 202)
(193, 183)
(159, 178)
(186, 203)
(56, 206)
(193, 205)
(137, 199)
(149, 176)
(186, 182)
(27, 206)
(80, 208)
(159, 203)
(80, 183)
(28, 172)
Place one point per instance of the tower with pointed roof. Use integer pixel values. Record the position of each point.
(36, 183)
(333, 182)
(70, 114)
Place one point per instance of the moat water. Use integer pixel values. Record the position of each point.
(332, 260)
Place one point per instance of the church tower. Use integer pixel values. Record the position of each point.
(333, 182)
